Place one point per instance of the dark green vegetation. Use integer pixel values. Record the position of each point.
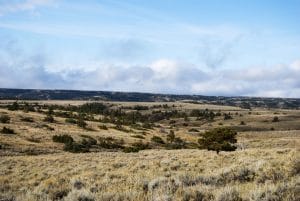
(6, 130)
(62, 139)
(244, 102)
(4, 119)
(219, 139)
(75, 147)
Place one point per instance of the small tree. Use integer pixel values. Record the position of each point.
(275, 119)
(218, 139)
(171, 136)
(14, 106)
(81, 123)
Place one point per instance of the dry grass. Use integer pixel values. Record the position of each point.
(153, 175)
(265, 167)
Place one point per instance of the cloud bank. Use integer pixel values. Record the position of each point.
(160, 76)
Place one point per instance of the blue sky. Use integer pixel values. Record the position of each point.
(209, 47)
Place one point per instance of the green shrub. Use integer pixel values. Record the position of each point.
(81, 123)
(227, 116)
(75, 148)
(275, 119)
(88, 141)
(7, 130)
(110, 143)
(14, 106)
(218, 139)
(193, 130)
(62, 138)
(71, 121)
(177, 143)
(4, 119)
(121, 128)
(171, 136)
(103, 127)
(136, 147)
(130, 149)
(27, 119)
(138, 136)
(157, 140)
(49, 118)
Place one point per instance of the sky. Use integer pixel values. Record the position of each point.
(206, 47)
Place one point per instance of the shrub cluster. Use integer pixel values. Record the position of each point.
(136, 147)
(157, 140)
(4, 119)
(70, 145)
(62, 139)
(110, 143)
(70, 121)
(49, 118)
(218, 139)
(27, 119)
(7, 130)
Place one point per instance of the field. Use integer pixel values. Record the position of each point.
(116, 157)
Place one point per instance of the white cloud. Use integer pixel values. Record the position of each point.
(161, 76)
(18, 69)
(23, 5)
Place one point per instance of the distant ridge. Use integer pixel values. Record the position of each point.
(244, 102)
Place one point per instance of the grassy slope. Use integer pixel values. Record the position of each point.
(267, 167)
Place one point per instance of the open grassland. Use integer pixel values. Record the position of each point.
(265, 166)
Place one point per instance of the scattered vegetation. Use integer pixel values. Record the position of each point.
(266, 169)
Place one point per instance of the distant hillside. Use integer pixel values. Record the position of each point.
(244, 102)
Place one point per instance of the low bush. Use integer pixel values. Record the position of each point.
(218, 139)
(177, 143)
(157, 140)
(71, 121)
(49, 118)
(136, 147)
(81, 123)
(171, 136)
(121, 128)
(7, 130)
(27, 119)
(62, 138)
(138, 136)
(110, 143)
(193, 130)
(103, 127)
(88, 141)
(75, 148)
(4, 119)
(275, 119)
